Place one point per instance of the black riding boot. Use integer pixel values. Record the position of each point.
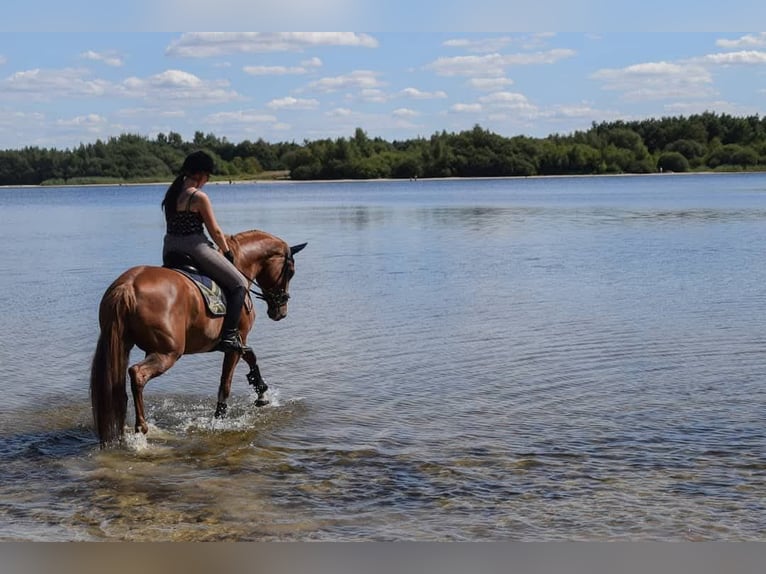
(230, 340)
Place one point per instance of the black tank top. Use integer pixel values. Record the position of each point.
(185, 222)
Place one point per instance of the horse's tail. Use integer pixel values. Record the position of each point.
(108, 396)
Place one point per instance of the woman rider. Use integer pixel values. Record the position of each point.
(187, 208)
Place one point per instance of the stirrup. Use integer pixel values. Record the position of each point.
(230, 342)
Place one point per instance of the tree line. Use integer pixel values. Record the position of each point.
(701, 142)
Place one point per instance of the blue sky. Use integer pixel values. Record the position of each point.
(60, 89)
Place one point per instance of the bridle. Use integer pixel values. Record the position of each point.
(278, 296)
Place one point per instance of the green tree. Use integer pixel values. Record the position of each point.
(673, 161)
(732, 155)
(691, 149)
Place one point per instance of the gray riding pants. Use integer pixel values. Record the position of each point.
(208, 259)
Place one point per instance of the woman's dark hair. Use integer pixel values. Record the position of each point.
(195, 162)
(198, 162)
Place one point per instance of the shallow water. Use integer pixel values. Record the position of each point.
(525, 359)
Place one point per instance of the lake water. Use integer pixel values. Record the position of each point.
(514, 359)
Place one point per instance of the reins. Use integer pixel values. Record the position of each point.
(276, 296)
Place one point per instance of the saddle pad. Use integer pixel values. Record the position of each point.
(215, 300)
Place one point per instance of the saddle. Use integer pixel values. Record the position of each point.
(215, 299)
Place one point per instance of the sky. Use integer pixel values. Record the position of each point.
(59, 89)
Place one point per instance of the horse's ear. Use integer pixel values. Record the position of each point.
(296, 248)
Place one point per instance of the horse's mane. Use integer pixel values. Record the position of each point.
(255, 238)
(251, 235)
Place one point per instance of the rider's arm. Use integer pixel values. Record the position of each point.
(205, 209)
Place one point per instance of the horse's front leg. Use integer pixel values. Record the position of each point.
(230, 361)
(255, 379)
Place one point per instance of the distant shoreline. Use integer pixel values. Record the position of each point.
(385, 180)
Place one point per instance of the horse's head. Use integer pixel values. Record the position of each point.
(270, 262)
(274, 279)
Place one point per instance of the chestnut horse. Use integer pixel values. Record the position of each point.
(163, 313)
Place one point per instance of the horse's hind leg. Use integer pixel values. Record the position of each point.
(141, 373)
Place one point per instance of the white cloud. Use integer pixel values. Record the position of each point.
(3, 60)
(345, 120)
(466, 108)
(657, 80)
(108, 58)
(537, 40)
(493, 65)
(511, 100)
(583, 111)
(747, 41)
(404, 113)
(575, 111)
(305, 67)
(417, 94)
(489, 84)
(290, 103)
(77, 83)
(691, 78)
(174, 79)
(85, 127)
(10, 118)
(274, 70)
(745, 57)
(720, 106)
(178, 85)
(207, 44)
(486, 66)
(532, 58)
(88, 121)
(240, 117)
(41, 84)
(340, 113)
(480, 46)
(487, 45)
(641, 74)
(360, 79)
(151, 112)
(373, 95)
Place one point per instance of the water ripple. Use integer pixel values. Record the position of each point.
(569, 359)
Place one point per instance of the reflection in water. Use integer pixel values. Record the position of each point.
(503, 360)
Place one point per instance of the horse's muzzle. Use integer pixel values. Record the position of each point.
(277, 313)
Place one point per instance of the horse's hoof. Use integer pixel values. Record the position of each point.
(220, 410)
(262, 402)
